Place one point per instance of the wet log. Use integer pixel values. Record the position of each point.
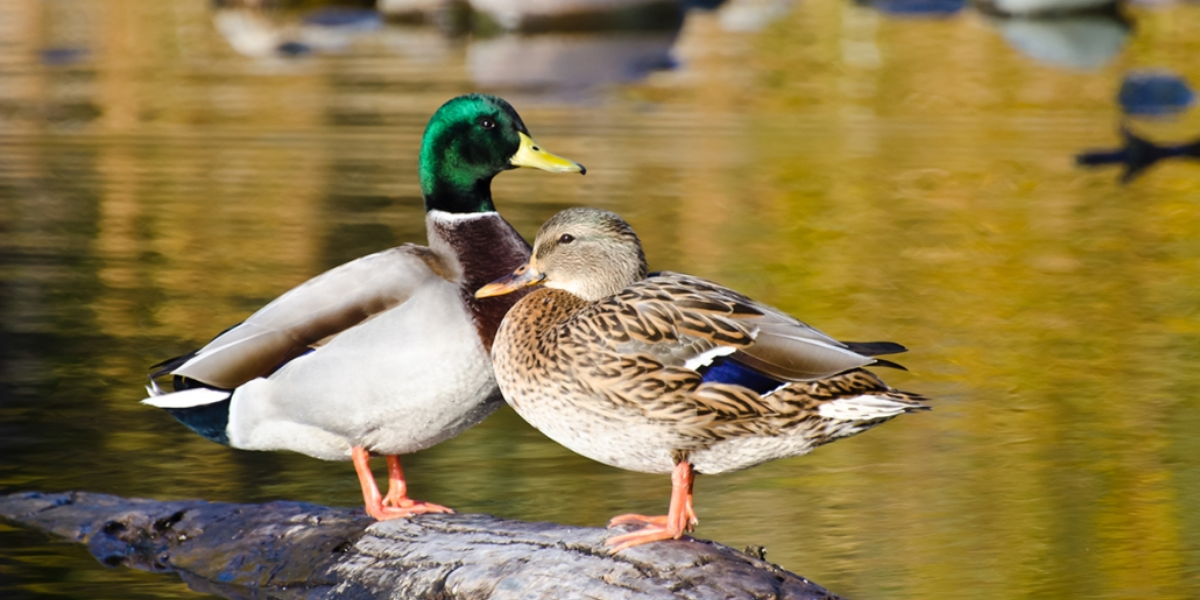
(294, 550)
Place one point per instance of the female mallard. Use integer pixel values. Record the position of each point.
(387, 354)
(670, 373)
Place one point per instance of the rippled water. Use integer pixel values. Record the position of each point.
(880, 174)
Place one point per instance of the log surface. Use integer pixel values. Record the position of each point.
(294, 550)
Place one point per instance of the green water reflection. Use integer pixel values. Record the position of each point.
(881, 178)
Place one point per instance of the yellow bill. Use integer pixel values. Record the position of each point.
(531, 155)
(525, 276)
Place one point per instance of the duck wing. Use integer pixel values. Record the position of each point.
(687, 321)
(309, 315)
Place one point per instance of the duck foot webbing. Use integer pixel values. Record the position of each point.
(680, 517)
(397, 504)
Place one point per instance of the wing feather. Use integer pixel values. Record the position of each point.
(685, 320)
(311, 314)
(641, 351)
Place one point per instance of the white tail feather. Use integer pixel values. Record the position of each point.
(184, 399)
(863, 408)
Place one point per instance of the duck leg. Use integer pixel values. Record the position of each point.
(397, 495)
(680, 518)
(398, 504)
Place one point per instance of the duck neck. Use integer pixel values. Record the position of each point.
(484, 247)
(457, 197)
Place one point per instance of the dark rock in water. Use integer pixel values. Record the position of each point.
(1155, 93)
(1045, 8)
(290, 48)
(342, 16)
(540, 16)
(64, 56)
(577, 15)
(917, 8)
(1137, 154)
(702, 4)
(292, 550)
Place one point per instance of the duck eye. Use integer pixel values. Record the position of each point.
(487, 123)
(566, 238)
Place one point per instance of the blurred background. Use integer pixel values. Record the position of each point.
(980, 182)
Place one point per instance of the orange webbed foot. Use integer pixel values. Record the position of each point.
(645, 535)
(690, 521)
(654, 529)
(415, 507)
(396, 504)
(680, 519)
(632, 519)
(384, 512)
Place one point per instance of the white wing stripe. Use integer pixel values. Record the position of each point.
(705, 358)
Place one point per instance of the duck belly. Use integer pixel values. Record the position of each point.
(648, 447)
(403, 381)
(631, 444)
(740, 453)
(636, 443)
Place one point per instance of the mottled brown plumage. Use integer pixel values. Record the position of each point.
(616, 365)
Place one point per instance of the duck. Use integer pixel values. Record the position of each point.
(387, 354)
(670, 373)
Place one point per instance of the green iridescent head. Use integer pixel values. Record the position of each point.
(468, 141)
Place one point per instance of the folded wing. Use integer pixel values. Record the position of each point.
(308, 316)
(690, 322)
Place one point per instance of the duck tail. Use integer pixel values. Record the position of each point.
(852, 402)
(875, 348)
(852, 415)
(169, 365)
(880, 362)
(873, 407)
(203, 410)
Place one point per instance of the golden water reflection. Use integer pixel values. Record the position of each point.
(881, 178)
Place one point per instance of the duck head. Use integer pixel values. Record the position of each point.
(589, 252)
(468, 141)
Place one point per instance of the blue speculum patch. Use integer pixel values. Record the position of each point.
(726, 370)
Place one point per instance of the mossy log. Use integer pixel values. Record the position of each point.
(303, 551)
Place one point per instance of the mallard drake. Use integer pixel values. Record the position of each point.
(386, 354)
(670, 373)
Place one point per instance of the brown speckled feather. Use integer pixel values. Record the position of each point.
(555, 348)
(678, 318)
(610, 362)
